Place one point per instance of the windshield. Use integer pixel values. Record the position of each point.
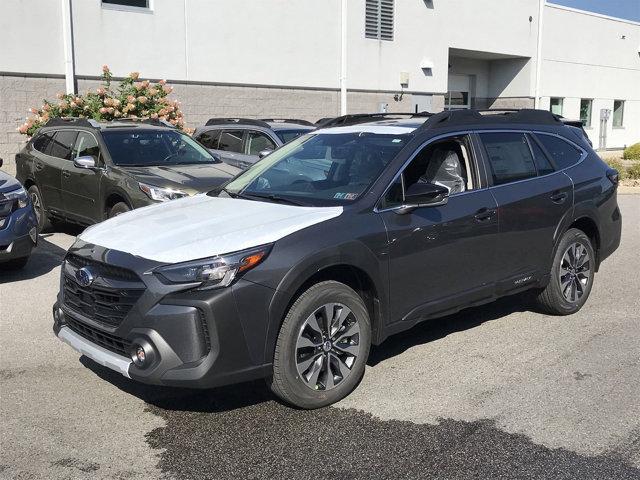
(154, 148)
(320, 169)
(287, 135)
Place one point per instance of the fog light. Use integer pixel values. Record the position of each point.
(140, 355)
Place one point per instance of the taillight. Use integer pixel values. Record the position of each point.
(613, 175)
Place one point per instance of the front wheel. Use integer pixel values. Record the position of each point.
(322, 347)
(572, 275)
(44, 223)
(118, 209)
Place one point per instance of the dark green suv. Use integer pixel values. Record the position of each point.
(84, 171)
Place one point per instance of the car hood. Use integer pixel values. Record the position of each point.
(189, 178)
(201, 226)
(8, 183)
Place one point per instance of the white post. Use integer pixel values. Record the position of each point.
(67, 33)
(539, 53)
(343, 62)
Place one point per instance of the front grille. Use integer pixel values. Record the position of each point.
(105, 301)
(110, 342)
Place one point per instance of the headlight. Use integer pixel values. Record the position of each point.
(215, 272)
(20, 196)
(161, 194)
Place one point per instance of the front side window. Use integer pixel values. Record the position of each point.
(231, 141)
(618, 113)
(143, 148)
(287, 135)
(86, 146)
(510, 157)
(563, 153)
(446, 163)
(257, 142)
(62, 144)
(585, 112)
(556, 105)
(320, 169)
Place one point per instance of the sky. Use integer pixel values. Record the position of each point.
(629, 9)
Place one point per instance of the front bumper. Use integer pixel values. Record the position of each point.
(18, 235)
(196, 339)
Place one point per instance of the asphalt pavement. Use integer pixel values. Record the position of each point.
(498, 391)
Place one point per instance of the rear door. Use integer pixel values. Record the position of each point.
(51, 154)
(533, 198)
(81, 186)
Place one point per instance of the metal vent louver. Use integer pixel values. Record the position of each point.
(379, 19)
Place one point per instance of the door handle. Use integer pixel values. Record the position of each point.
(484, 214)
(39, 166)
(66, 174)
(559, 197)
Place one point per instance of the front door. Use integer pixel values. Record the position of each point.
(532, 198)
(81, 186)
(444, 256)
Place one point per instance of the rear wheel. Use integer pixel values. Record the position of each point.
(572, 275)
(118, 209)
(322, 347)
(38, 207)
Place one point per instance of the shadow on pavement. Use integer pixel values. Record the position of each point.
(44, 258)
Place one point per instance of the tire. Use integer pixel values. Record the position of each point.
(298, 345)
(569, 288)
(118, 209)
(14, 264)
(44, 223)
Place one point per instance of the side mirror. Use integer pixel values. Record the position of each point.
(264, 153)
(424, 195)
(86, 162)
(216, 156)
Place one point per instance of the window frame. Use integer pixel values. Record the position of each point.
(613, 114)
(590, 119)
(128, 8)
(479, 177)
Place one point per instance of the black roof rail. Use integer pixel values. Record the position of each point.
(238, 121)
(144, 120)
(356, 118)
(288, 120)
(491, 116)
(71, 121)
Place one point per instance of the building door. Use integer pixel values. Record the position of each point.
(459, 94)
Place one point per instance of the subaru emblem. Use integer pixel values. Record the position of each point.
(84, 277)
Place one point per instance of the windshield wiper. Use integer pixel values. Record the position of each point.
(272, 198)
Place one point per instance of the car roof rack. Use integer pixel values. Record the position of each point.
(491, 116)
(237, 121)
(156, 122)
(288, 120)
(72, 121)
(357, 118)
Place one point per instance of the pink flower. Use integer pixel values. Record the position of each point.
(131, 98)
(162, 82)
(134, 75)
(33, 110)
(73, 105)
(105, 69)
(23, 128)
(60, 96)
(110, 109)
(101, 91)
(167, 89)
(103, 110)
(142, 99)
(154, 115)
(153, 91)
(145, 83)
(138, 86)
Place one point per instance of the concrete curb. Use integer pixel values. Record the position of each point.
(622, 190)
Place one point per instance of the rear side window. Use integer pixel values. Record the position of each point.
(210, 139)
(509, 157)
(542, 161)
(563, 153)
(42, 142)
(257, 141)
(231, 141)
(62, 144)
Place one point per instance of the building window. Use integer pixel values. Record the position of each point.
(379, 19)
(556, 105)
(585, 111)
(618, 113)
(127, 4)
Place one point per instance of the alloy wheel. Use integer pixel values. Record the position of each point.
(328, 346)
(575, 272)
(37, 206)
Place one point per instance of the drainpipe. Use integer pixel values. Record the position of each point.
(539, 53)
(67, 34)
(343, 61)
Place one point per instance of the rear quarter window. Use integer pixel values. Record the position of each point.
(42, 142)
(562, 152)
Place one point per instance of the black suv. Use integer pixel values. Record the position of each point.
(241, 142)
(85, 171)
(335, 241)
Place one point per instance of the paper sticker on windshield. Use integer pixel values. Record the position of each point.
(345, 196)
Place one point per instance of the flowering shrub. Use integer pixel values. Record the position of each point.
(132, 98)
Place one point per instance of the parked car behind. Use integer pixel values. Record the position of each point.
(285, 275)
(85, 171)
(18, 224)
(241, 142)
